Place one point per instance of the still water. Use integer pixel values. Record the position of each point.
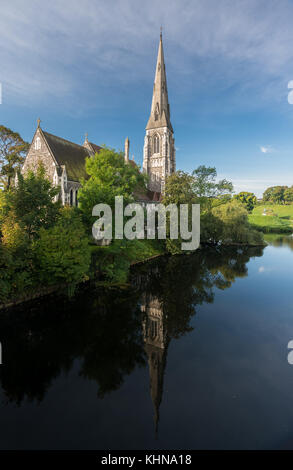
(193, 356)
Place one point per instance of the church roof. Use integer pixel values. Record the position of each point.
(95, 148)
(160, 110)
(69, 154)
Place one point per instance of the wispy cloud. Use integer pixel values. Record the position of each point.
(81, 50)
(266, 149)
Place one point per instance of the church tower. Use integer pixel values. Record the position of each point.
(159, 148)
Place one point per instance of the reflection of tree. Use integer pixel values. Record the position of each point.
(280, 240)
(102, 328)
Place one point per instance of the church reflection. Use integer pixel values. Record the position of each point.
(156, 343)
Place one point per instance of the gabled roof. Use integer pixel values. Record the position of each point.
(69, 154)
(95, 148)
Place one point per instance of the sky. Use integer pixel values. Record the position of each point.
(89, 67)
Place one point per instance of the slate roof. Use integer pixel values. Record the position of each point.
(69, 154)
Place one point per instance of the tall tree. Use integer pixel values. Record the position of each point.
(12, 153)
(109, 176)
(31, 204)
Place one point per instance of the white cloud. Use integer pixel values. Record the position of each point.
(266, 149)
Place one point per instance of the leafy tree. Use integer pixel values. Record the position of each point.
(275, 194)
(12, 152)
(235, 225)
(207, 190)
(63, 251)
(32, 203)
(248, 199)
(109, 176)
(179, 189)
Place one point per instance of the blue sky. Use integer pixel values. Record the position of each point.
(89, 67)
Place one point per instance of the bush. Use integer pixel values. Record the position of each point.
(63, 252)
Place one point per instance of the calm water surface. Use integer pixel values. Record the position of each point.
(193, 356)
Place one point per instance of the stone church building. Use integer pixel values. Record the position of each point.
(64, 161)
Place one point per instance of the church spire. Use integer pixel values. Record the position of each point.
(160, 110)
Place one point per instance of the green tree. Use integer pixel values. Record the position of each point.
(109, 176)
(275, 194)
(208, 191)
(12, 152)
(235, 225)
(31, 203)
(62, 252)
(248, 199)
(179, 189)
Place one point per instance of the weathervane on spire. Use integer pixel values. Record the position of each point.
(86, 136)
(39, 122)
(161, 30)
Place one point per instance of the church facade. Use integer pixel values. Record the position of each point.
(64, 161)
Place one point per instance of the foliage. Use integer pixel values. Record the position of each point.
(12, 151)
(235, 225)
(207, 190)
(109, 176)
(62, 251)
(179, 189)
(278, 194)
(32, 202)
(248, 199)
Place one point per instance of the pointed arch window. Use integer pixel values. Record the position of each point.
(37, 143)
(156, 143)
(71, 197)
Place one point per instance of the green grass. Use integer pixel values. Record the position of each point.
(279, 218)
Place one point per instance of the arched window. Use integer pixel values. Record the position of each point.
(37, 143)
(156, 144)
(76, 200)
(71, 197)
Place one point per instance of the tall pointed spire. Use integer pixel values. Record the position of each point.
(159, 145)
(160, 110)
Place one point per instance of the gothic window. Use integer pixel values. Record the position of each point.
(76, 200)
(156, 144)
(71, 197)
(37, 143)
(154, 328)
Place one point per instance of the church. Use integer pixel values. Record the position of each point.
(64, 161)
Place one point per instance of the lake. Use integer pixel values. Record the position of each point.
(193, 356)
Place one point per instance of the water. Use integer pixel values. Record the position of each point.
(193, 356)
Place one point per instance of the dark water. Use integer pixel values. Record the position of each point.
(194, 356)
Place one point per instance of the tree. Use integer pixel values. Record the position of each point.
(63, 251)
(248, 199)
(32, 203)
(235, 225)
(275, 194)
(179, 189)
(207, 190)
(109, 176)
(12, 152)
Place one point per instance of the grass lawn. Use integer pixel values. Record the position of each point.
(279, 218)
